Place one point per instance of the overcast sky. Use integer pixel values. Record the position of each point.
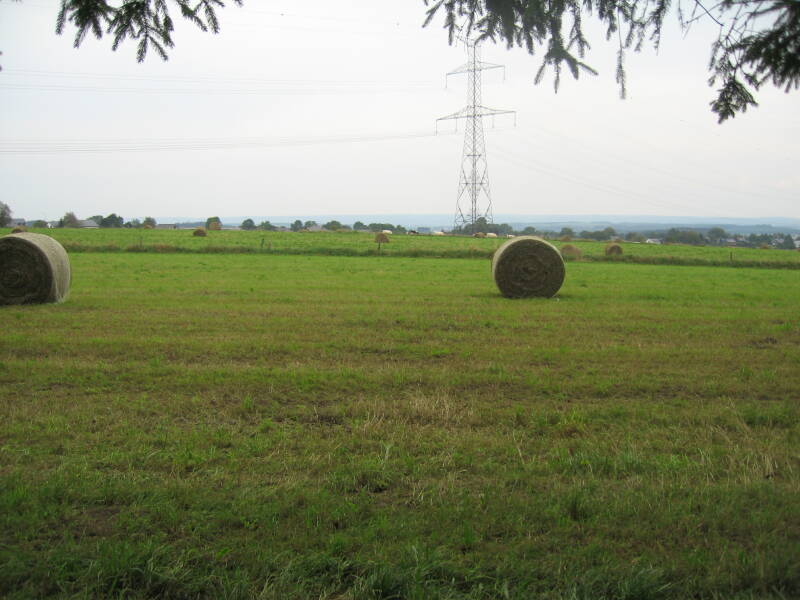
(317, 107)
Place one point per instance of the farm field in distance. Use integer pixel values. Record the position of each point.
(362, 243)
(192, 425)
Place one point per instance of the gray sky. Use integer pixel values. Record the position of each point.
(317, 107)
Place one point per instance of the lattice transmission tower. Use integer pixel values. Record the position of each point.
(474, 198)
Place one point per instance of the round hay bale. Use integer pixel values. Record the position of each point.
(199, 232)
(570, 251)
(613, 250)
(479, 234)
(382, 238)
(528, 266)
(19, 229)
(34, 269)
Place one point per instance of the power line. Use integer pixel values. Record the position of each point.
(216, 79)
(691, 197)
(75, 146)
(308, 91)
(671, 175)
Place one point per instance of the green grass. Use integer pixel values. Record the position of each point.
(268, 426)
(363, 244)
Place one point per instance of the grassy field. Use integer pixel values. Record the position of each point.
(275, 426)
(360, 244)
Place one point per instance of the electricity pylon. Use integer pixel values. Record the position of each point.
(473, 181)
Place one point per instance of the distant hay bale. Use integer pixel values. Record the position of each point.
(438, 233)
(613, 249)
(528, 266)
(570, 251)
(479, 234)
(387, 232)
(19, 229)
(565, 238)
(34, 269)
(199, 232)
(382, 238)
(491, 235)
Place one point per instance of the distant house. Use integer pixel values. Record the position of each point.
(88, 224)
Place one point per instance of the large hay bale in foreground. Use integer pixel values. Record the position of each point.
(613, 250)
(570, 251)
(34, 269)
(528, 266)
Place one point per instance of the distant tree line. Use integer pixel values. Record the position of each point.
(5, 214)
(714, 236)
(111, 221)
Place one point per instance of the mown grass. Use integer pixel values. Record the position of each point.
(362, 244)
(245, 426)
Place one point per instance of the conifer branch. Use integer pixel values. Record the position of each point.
(759, 39)
(148, 21)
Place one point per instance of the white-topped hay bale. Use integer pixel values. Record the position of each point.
(491, 235)
(528, 266)
(34, 269)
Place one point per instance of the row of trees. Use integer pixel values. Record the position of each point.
(715, 236)
(334, 225)
(109, 221)
(5, 214)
